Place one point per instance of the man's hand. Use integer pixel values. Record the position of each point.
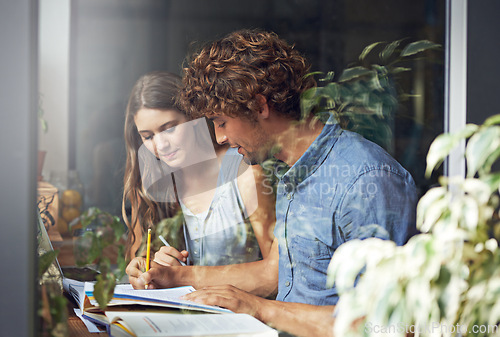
(229, 297)
(297, 318)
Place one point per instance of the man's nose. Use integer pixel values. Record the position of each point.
(220, 137)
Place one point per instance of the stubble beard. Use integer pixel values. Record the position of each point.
(262, 152)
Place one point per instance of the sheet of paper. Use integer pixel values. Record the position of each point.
(172, 294)
(171, 297)
(158, 324)
(76, 289)
(90, 326)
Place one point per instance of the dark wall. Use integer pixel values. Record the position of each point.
(483, 65)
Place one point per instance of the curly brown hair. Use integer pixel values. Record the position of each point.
(226, 75)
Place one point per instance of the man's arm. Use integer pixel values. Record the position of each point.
(379, 204)
(297, 318)
(259, 200)
(259, 277)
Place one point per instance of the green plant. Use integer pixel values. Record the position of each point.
(444, 281)
(365, 97)
(101, 232)
(171, 229)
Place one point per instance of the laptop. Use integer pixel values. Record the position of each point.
(82, 274)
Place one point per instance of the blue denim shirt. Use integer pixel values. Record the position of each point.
(343, 187)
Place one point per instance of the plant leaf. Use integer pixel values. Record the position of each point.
(86, 249)
(417, 47)
(492, 120)
(104, 289)
(121, 263)
(397, 70)
(45, 125)
(490, 160)
(59, 308)
(443, 144)
(439, 149)
(329, 77)
(481, 149)
(389, 49)
(45, 261)
(368, 49)
(310, 99)
(352, 73)
(314, 73)
(493, 181)
(331, 91)
(430, 208)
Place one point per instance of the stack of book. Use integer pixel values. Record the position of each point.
(162, 312)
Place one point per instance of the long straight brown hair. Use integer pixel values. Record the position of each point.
(156, 90)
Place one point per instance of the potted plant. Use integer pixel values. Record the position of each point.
(445, 281)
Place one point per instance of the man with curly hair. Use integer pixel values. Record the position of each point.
(338, 186)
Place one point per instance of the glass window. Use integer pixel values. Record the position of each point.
(112, 43)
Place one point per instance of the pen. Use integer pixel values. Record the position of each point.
(166, 244)
(148, 252)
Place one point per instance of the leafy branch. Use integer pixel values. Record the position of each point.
(448, 276)
(101, 231)
(365, 96)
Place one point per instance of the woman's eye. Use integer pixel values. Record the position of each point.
(221, 125)
(170, 130)
(147, 137)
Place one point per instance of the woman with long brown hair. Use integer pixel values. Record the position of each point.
(176, 170)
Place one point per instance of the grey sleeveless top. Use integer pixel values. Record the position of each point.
(222, 234)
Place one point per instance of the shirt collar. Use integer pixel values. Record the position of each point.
(314, 155)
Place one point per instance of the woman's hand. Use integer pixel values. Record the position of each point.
(169, 256)
(135, 269)
(156, 278)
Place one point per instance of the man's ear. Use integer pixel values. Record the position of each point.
(264, 108)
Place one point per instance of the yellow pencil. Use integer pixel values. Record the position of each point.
(148, 251)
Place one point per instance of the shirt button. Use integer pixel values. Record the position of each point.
(289, 196)
(287, 283)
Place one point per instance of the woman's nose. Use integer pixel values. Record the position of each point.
(162, 141)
